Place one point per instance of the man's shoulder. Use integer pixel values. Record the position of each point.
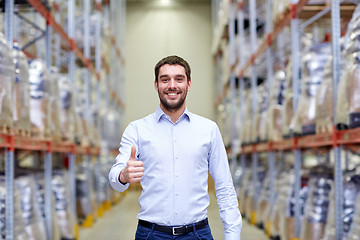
(202, 121)
(144, 120)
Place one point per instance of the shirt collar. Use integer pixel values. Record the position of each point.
(160, 113)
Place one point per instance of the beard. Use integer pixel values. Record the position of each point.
(172, 106)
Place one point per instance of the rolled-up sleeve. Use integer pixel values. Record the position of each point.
(128, 140)
(224, 187)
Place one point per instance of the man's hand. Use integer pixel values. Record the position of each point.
(133, 171)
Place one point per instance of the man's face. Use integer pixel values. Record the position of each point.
(172, 86)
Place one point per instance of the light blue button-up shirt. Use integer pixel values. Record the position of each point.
(177, 158)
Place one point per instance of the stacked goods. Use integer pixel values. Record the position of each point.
(19, 228)
(21, 93)
(67, 113)
(261, 130)
(282, 217)
(54, 99)
(7, 76)
(348, 104)
(287, 109)
(252, 203)
(40, 196)
(85, 196)
(243, 192)
(39, 98)
(247, 133)
(313, 64)
(100, 182)
(66, 218)
(354, 233)
(351, 188)
(317, 206)
(30, 209)
(275, 117)
(263, 204)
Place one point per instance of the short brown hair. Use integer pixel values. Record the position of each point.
(173, 60)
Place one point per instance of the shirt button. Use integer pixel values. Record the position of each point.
(177, 212)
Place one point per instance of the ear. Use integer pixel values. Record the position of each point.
(156, 86)
(189, 85)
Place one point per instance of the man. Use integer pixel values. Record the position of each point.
(171, 152)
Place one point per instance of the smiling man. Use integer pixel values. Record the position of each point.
(171, 153)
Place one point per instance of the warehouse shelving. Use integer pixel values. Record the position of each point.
(10, 142)
(239, 66)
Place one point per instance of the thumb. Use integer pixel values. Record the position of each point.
(133, 152)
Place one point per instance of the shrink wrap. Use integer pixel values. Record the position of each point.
(7, 76)
(39, 98)
(21, 93)
(67, 113)
(313, 64)
(30, 209)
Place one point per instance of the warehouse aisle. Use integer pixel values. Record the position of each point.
(120, 222)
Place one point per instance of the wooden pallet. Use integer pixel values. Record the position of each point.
(5, 129)
(22, 133)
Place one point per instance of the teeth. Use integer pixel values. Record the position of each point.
(172, 94)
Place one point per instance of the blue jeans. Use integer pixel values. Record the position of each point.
(143, 233)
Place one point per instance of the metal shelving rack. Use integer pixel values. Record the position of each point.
(334, 140)
(10, 142)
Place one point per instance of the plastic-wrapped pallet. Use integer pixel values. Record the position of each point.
(67, 112)
(354, 233)
(40, 197)
(54, 99)
(85, 195)
(317, 205)
(282, 219)
(351, 189)
(7, 76)
(324, 98)
(19, 228)
(261, 129)
(100, 183)
(21, 93)
(287, 110)
(39, 98)
(243, 192)
(66, 218)
(32, 219)
(275, 116)
(313, 64)
(251, 205)
(348, 107)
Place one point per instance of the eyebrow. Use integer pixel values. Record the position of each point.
(166, 75)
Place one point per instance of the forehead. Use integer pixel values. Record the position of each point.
(171, 69)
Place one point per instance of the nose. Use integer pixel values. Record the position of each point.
(172, 83)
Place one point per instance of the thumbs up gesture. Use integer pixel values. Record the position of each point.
(133, 171)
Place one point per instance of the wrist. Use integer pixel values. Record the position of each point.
(121, 179)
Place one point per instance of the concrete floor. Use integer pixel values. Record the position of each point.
(120, 222)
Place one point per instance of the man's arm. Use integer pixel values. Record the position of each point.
(125, 161)
(224, 188)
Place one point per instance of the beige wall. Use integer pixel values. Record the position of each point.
(153, 32)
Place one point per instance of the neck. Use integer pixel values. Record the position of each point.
(173, 113)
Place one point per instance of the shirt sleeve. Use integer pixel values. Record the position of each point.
(128, 140)
(224, 187)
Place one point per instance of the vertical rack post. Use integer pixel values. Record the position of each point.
(9, 199)
(335, 25)
(57, 41)
(48, 193)
(86, 15)
(295, 86)
(232, 61)
(9, 152)
(242, 106)
(71, 69)
(253, 46)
